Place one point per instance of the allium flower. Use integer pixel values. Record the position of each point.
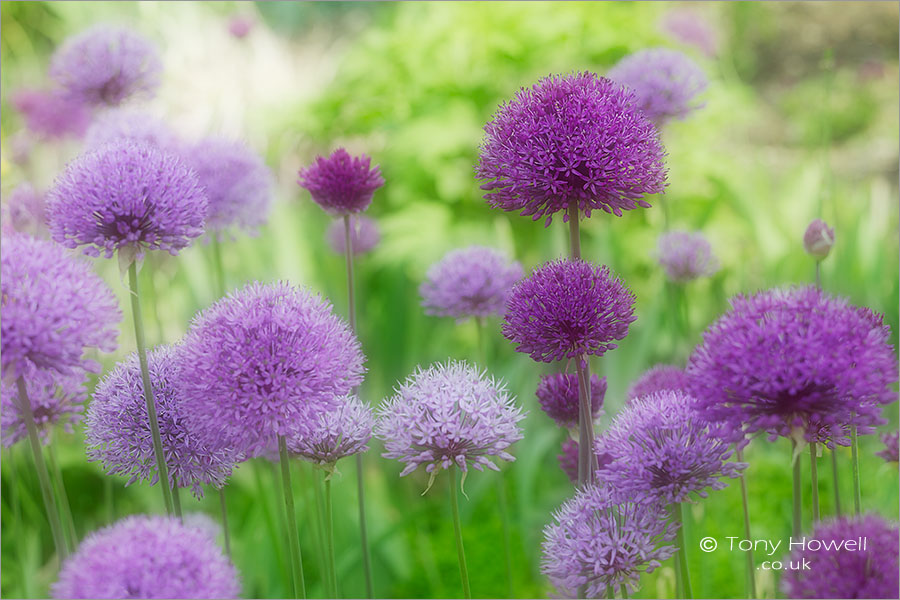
(657, 379)
(568, 309)
(576, 137)
(241, 25)
(846, 558)
(25, 212)
(341, 184)
(54, 307)
(364, 235)
(691, 28)
(106, 65)
(51, 114)
(448, 414)
(891, 452)
(118, 429)
(469, 282)
(127, 197)
(568, 460)
(794, 361)
(665, 82)
(339, 432)
(265, 361)
(818, 239)
(558, 396)
(686, 256)
(128, 124)
(602, 538)
(55, 399)
(148, 557)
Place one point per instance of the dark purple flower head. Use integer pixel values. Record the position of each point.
(568, 460)
(341, 184)
(106, 65)
(691, 28)
(118, 429)
(794, 362)
(818, 239)
(558, 395)
(576, 137)
(657, 379)
(891, 452)
(128, 197)
(129, 124)
(839, 566)
(241, 25)
(568, 309)
(449, 414)
(342, 431)
(469, 282)
(55, 399)
(364, 235)
(25, 212)
(265, 361)
(55, 308)
(148, 557)
(686, 256)
(602, 538)
(51, 114)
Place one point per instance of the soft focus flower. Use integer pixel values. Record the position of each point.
(25, 212)
(837, 569)
(55, 399)
(576, 137)
(127, 196)
(364, 235)
(818, 239)
(240, 25)
(129, 124)
(54, 307)
(51, 114)
(691, 28)
(568, 460)
(118, 428)
(568, 309)
(686, 256)
(341, 184)
(657, 379)
(148, 557)
(106, 65)
(891, 453)
(342, 431)
(21, 146)
(448, 414)
(794, 361)
(469, 282)
(602, 538)
(265, 361)
(558, 396)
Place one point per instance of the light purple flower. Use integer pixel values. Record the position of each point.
(558, 395)
(891, 452)
(56, 399)
(341, 184)
(342, 431)
(129, 124)
(364, 235)
(51, 114)
(818, 239)
(691, 28)
(657, 379)
(686, 256)
(25, 212)
(240, 25)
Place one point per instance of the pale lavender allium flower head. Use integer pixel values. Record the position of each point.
(469, 282)
(240, 25)
(686, 256)
(837, 569)
(568, 460)
(558, 396)
(127, 197)
(129, 124)
(341, 184)
(106, 65)
(603, 538)
(342, 431)
(449, 414)
(818, 239)
(263, 362)
(56, 399)
(364, 235)
(891, 452)
(568, 309)
(148, 557)
(657, 379)
(576, 137)
(51, 114)
(25, 211)
(691, 28)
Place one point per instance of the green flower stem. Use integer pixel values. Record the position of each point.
(682, 574)
(587, 460)
(798, 493)
(218, 264)
(293, 532)
(837, 487)
(329, 542)
(457, 530)
(108, 500)
(224, 508)
(854, 458)
(624, 591)
(751, 577)
(176, 503)
(321, 551)
(21, 551)
(59, 488)
(814, 476)
(273, 533)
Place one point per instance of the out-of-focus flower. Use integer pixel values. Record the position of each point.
(568, 460)
(558, 396)
(128, 124)
(818, 239)
(51, 114)
(691, 28)
(341, 184)
(25, 212)
(340, 432)
(891, 453)
(55, 399)
(686, 256)
(657, 379)
(364, 235)
(240, 25)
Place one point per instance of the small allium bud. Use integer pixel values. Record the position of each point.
(818, 239)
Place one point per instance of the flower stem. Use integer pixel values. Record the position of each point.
(320, 522)
(610, 593)
(587, 460)
(624, 591)
(854, 458)
(503, 509)
(834, 475)
(15, 500)
(224, 508)
(263, 495)
(293, 532)
(574, 233)
(814, 475)
(65, 510)
(682, 570)
(218, 265)
(329, 542)
(751, 579)
(108, 500)
(457, 530)
(176, 503)
(798, 493)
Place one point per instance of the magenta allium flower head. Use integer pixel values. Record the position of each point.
(837, 569)
(55, 308)
(148, 557)
(265, 361)
(691, 28)
(129, 124)
(118, 429)
(686, 256)
(469, 282)
(342, 431)
(657, 379)
(558, 396)
(106, 65)
(55, 399)
(568, 460)
(576, 137)
(568, 309)
(341, 184)
(794, 361)
(51, 114)
(891, 441)
(602, 538)
(128, 197)
(240, 25)
(818, 239)
(449, 414)
(364, 235)
(25, 212)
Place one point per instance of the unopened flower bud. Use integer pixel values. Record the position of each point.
(818, 239)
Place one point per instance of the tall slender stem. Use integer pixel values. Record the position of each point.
(176, 503)
(798, 493)
(262, 492)
(319, 520)
(292, 532)
(108, 500)
(814, 475)
(854, 459)
(64, 509)
(678, 513)
(218, 264)
(587, 460)
(751, 578)
(624, 591)
(224, 508)
(818, 274)
(610, 592)
(329, 542)
(457, 530)
(574, 233)
(834, 476)
(16, 502)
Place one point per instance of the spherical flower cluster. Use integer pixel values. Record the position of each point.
(794, 361)
(25, 212)
(891, 452)
(106, 65)
(341, 184)
(342, 431)
(118, 428)
(128, 124)
(469, 282)
(54, 307)
(657, 379)
(51, 114)
(265, 362)
(55, 399)
(364, 235)
(691, 28)
(446, 415)
(568, 309)
(568, 460)
(148, 557)
(573, 138)
(818, 239)
(686, 256)
(839, 567)
(558, 396)
(240, 25)
(128, 197)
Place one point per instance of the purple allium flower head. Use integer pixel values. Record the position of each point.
(891, 452)
(818, 239)
(127, 197)
(341, 184)
(364, 235)
(55, 399)
(469, 282)
(558, 396)
(148, 557)
(118, 429)
(449, 414)
(25, 212)
(265, 361)
(602, 538)
(129, 124)
(867, 569)
(342, 431)
(691, 28)
(568, 460)
(106, 65)
(51, 114)
(568, 309)
(794, 361)
(686, 256)
(55, 308)
(576, 137)
(241, 25)
(657, 379)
